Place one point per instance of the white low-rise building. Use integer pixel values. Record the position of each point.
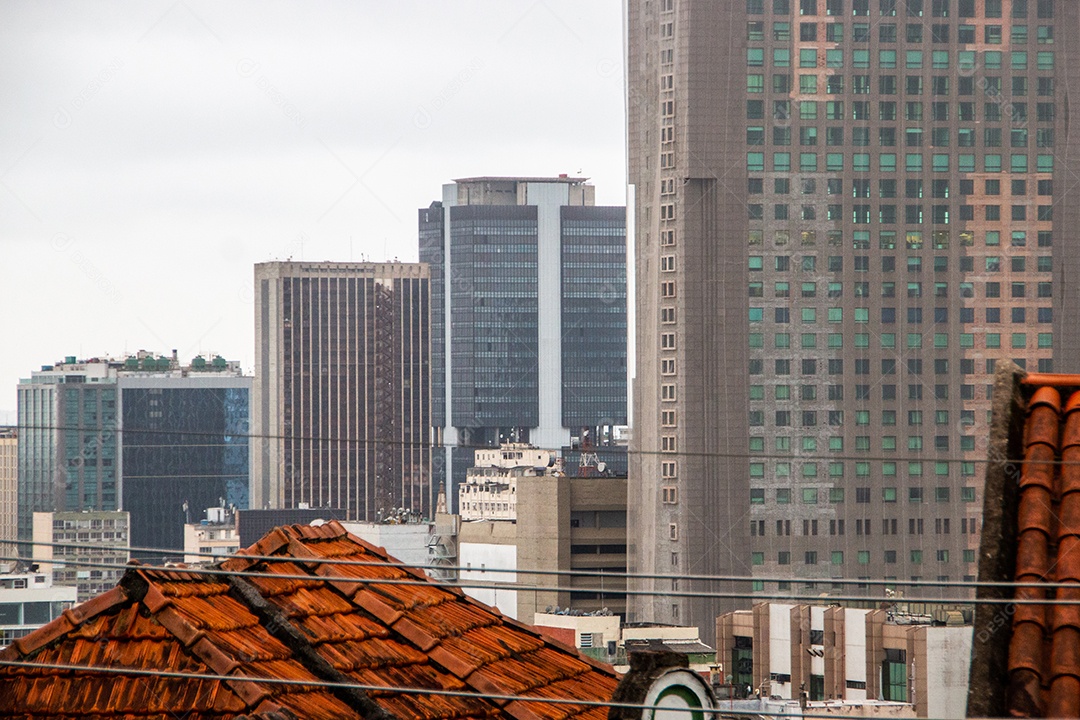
(213, 538)
(490, 488)
(407, 542)
(29, 600)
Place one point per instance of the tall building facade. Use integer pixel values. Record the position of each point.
(529, 338)
(9, 489)
(144, 434)
(343, 390)
(67, 423)
(184, 447)
(847, 212)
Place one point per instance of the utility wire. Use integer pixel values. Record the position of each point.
(419, 691)
(497, 585)
(623, 449)
(596, 573)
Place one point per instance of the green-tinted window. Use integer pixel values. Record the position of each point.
(808, 58)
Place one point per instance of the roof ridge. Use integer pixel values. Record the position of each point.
(143, 588)
(278, 625)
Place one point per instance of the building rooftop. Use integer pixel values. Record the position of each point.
(333, 623)
(495, 178)
(1029, 662)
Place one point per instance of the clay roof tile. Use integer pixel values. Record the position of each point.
(420, 636)
(1044, 643)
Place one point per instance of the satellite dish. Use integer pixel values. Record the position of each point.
(601, 466)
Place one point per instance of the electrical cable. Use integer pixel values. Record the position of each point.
(110, 549)
(621, 449)
(418, 691)
(514, 586)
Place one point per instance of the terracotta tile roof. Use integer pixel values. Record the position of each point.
(1032, 516)
(322, 626)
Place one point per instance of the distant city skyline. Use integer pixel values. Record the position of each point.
(151, 154)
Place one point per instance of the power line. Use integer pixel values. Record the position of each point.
(598, 573)
(519, 587)
(623, 449)
(410, 690)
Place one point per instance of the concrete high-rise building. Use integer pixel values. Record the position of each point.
(9, 489)
(846, 212)
(343, 389)
(520, 511)
(143, 434)
(528, 287)
(68, 443)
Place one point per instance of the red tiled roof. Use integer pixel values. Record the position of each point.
(1043, 659)
(326, 628)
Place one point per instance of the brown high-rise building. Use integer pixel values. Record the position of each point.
(342, 412)
(846, 212)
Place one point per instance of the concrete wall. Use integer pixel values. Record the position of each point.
(543, 537)
(948, 658)
(484, 545)
(406, 543)
(855, 647)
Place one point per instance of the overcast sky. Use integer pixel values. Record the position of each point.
(151, 152)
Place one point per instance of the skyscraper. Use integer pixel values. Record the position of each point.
(528, 315)
(9, 492)
(343, 390)
(67, 428)
(143, 434)
(184, 447)
(847, 211)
